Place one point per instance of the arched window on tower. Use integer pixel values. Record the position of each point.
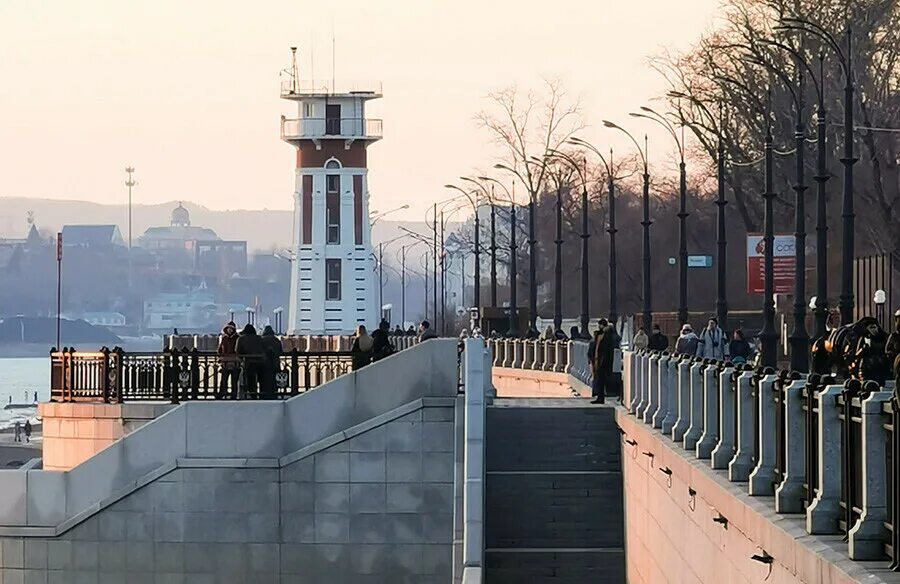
(333, 164)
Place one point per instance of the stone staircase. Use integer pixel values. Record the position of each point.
(553, 500)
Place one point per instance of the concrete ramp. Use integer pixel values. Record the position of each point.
(553, 503)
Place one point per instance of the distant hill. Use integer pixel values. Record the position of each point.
(262, 229)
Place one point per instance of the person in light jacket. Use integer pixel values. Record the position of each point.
(641, 340)
(711, 343)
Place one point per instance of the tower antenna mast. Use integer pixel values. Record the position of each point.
(294, 72)
(129, 182)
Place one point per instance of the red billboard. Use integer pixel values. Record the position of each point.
(784, 263)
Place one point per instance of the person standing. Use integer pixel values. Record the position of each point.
(250, 350)
(17, 432)
(601, 353)
(272, 350)
(658, 341)
(381, 345)
(230, 370)
(892, 349)
(711, 344)
(640, 341)
(687, 342)
(361, 350)
(27, 431)
(426, 332)
(739, 348)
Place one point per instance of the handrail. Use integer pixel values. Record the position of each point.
(296, 128)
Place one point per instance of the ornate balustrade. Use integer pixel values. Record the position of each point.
(821, 448)
(533, 355)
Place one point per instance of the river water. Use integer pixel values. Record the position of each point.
(19, 380)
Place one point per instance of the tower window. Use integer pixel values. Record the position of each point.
(309, 110)
(333, 209)
(332, 279)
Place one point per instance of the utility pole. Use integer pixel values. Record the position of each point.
(129, 182)
(59, 251)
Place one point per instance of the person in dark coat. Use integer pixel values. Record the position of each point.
(658, 341)
(361, 350)
(601, 353)
(398, 331)
(381, 345)
(228, 360)
(250, 350)
(27, 430)
(426, 332)
(272, 350)
(739, 348)
(574, 334)
(411, 332)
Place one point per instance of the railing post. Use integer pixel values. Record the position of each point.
(822, 515)
(561, 350)
(295, 371)
(763, 476)
(683, 422)
(868, 536)
(518, 354)
(789, 494)
(695, 429)
(643, 384)
(724, 450)
(508, 353)
(652, 389)
(710, 436)
(536, 357)
(120, 374)
(174, 374)
(106, 373)
(195, 373)
(662, 379)
(739, 466)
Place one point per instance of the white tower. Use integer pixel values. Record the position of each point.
(332, 287)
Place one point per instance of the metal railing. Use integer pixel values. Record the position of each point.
(117, 376)
(301, 128)
(301, 88)
(821, 448)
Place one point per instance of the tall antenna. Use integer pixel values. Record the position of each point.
(294, 73)
(332, 57)
(129, 182)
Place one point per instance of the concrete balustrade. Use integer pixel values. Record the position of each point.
(789, 494)
(724, 450)
(560, 351)
(662, 412)
(739, 467)
(762, 477)
(508, 352)
(644, 387)
(683, 422)
(528, 355)
(710, 437)
(695, 429)
(822, 515)
(671, 392)
(867, 537)
(652, 389)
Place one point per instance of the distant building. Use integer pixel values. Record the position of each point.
(185, 311)
(219, 259)
(110, 320)
(92, 236)
(177, 234)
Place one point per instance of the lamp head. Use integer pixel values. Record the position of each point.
(676, 94)
(609, 124)
(880, 297)
(646, 109)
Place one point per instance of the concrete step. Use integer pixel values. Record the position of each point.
(559, 566)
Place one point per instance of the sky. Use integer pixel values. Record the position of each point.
(187, 92)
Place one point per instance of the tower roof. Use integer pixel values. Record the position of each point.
(181, 217)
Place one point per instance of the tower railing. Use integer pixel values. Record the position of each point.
(310, 88)
(304, 128)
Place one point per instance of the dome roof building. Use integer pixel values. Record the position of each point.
(177, 234)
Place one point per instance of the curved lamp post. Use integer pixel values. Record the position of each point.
(474, 202)
(611, 229)
(493, 248)
(649, 114)
(647, 316)
(513, 275)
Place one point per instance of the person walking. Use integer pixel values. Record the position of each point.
(381, 345)
(17, 432)
(249, 348)
(361, 350)
(739, 348)
(229, 367)
(658, 341)
(687, 342)
(272, 349)
(27, 431)
(711, 344)
(426, 332)
(640, 341)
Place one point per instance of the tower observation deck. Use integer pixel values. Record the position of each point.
(332, 288)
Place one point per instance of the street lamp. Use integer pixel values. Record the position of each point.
(647, 316)
(650, 114)
(278, 322)
(474, 202)
(880, 298)
(721, 203)
(493, 248)
(373, 219)
(532, 258)
(611, 230)
(513, 273)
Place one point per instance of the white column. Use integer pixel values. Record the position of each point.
(641, 365)
(671, 393)
(724, 450)
(710, 436)
(683, 422)
(473, 493)
(739, 466)
(789, 494)
(822, 515)
(868, 536)
(762, 476)
(695, 429)
(653, 390)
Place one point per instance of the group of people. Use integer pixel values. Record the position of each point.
(711, 343)
(249, 361)
(601, 355)
(19, 431)
(368, 348)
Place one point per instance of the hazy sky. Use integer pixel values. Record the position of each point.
(187, 91)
